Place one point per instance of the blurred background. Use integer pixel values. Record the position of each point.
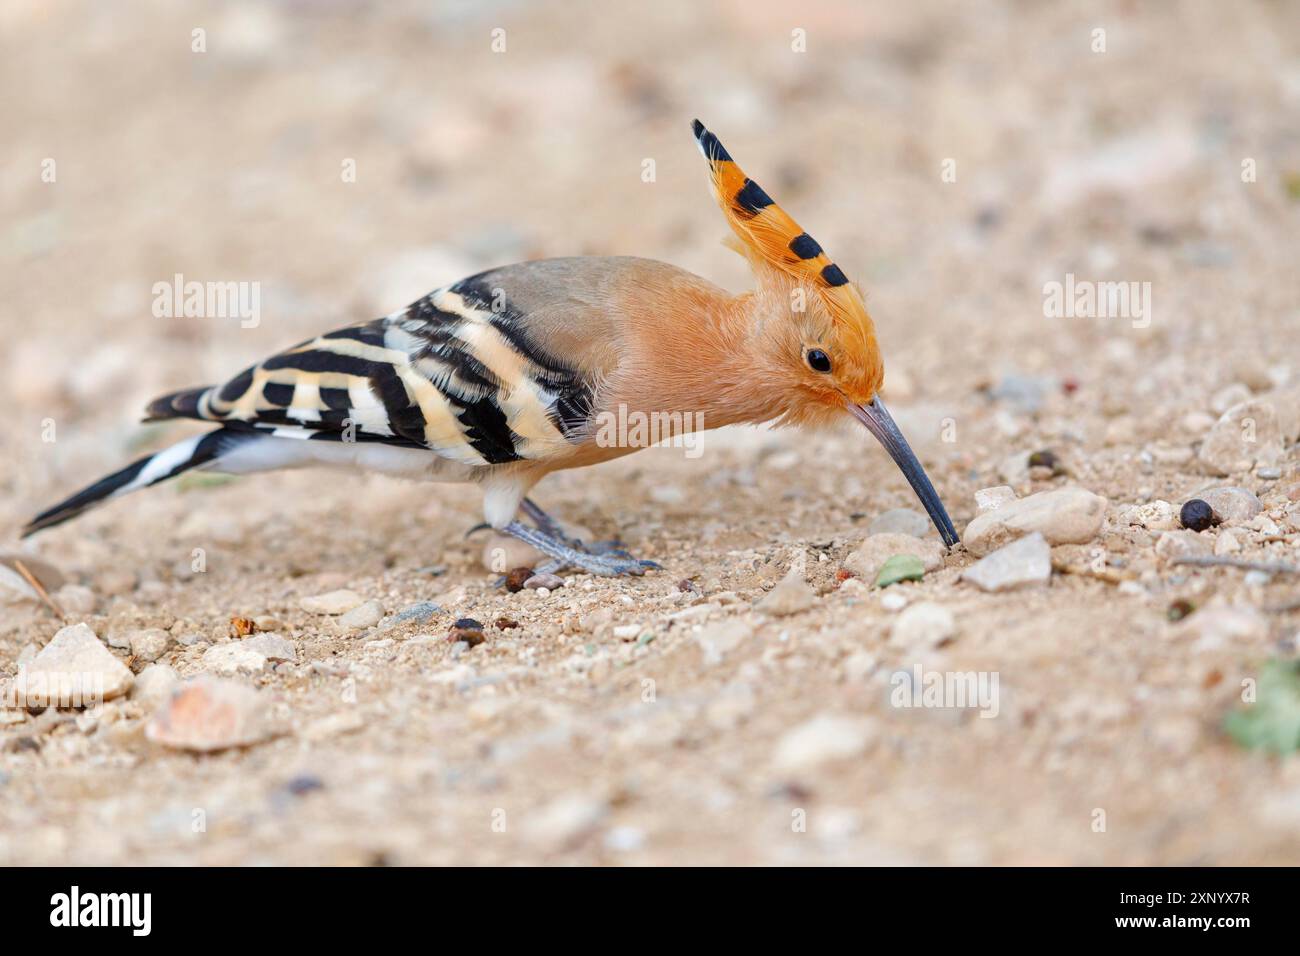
(953, 157)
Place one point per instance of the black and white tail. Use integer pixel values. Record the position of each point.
(194, 452)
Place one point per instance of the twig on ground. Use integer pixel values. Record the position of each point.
(1211, 561)
(39, 588)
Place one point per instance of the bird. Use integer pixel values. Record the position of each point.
(504, 377)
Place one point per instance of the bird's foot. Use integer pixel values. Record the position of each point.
(605, 558)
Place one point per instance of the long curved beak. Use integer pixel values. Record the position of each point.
(878, 421)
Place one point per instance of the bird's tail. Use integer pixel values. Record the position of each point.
(195, 452)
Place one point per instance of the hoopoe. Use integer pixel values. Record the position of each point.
(500, 378)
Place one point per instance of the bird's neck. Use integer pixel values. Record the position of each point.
(702, 360)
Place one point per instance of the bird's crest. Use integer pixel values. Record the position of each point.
(768, 234)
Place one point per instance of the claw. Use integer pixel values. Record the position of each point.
(481, 526)
(607, 565)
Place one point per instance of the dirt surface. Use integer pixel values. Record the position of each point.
(672, 719)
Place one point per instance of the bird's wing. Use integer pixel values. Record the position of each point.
(457, 372)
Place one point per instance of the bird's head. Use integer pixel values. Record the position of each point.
(813, 338)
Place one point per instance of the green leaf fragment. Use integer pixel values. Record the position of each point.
(1272, 722)
(900, 567)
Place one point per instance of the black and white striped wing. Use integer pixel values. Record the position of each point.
(455, 373)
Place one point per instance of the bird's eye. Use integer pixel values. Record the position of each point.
(818, 360)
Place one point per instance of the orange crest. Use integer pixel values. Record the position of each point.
(770, 235)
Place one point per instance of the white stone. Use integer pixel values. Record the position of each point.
(364, 615)
(1158, 515)
(233, 658)
(1232, 504)
(154, 684)
(208, 714)
(922, 626)
(150, 644)
(1245, 435)
(74, 669)
(565, 820)
(1022, 563)
(271, 646)
(1226, 543)
(1064, 516)
(991, 499)
(1182, 544)
(822, 739)
(791, 596)
(333, 602)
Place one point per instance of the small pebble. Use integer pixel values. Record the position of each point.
(923, 626)
(415, 613)
(549, 582)
(303, 784)
(334, 602)
(516, 578)
(1023, 563)
(1181, 544)
(364, 615)
(893, 601)
(271, 646)
(233, 658)
(822, 739)
(154, 685)
(208, 714)
(75, 669)
(791, 596)
(150, 644)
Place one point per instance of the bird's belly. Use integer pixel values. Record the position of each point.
(271, 453)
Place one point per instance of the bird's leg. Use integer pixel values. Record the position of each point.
(544, 522)
(608, 565)
(548, 525)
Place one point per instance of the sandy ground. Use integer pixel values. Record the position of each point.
(665, 719)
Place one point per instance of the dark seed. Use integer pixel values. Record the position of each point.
(1180, 609)
(516, 577)
(1043, 459)
(1197, 515)
(468, 630)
